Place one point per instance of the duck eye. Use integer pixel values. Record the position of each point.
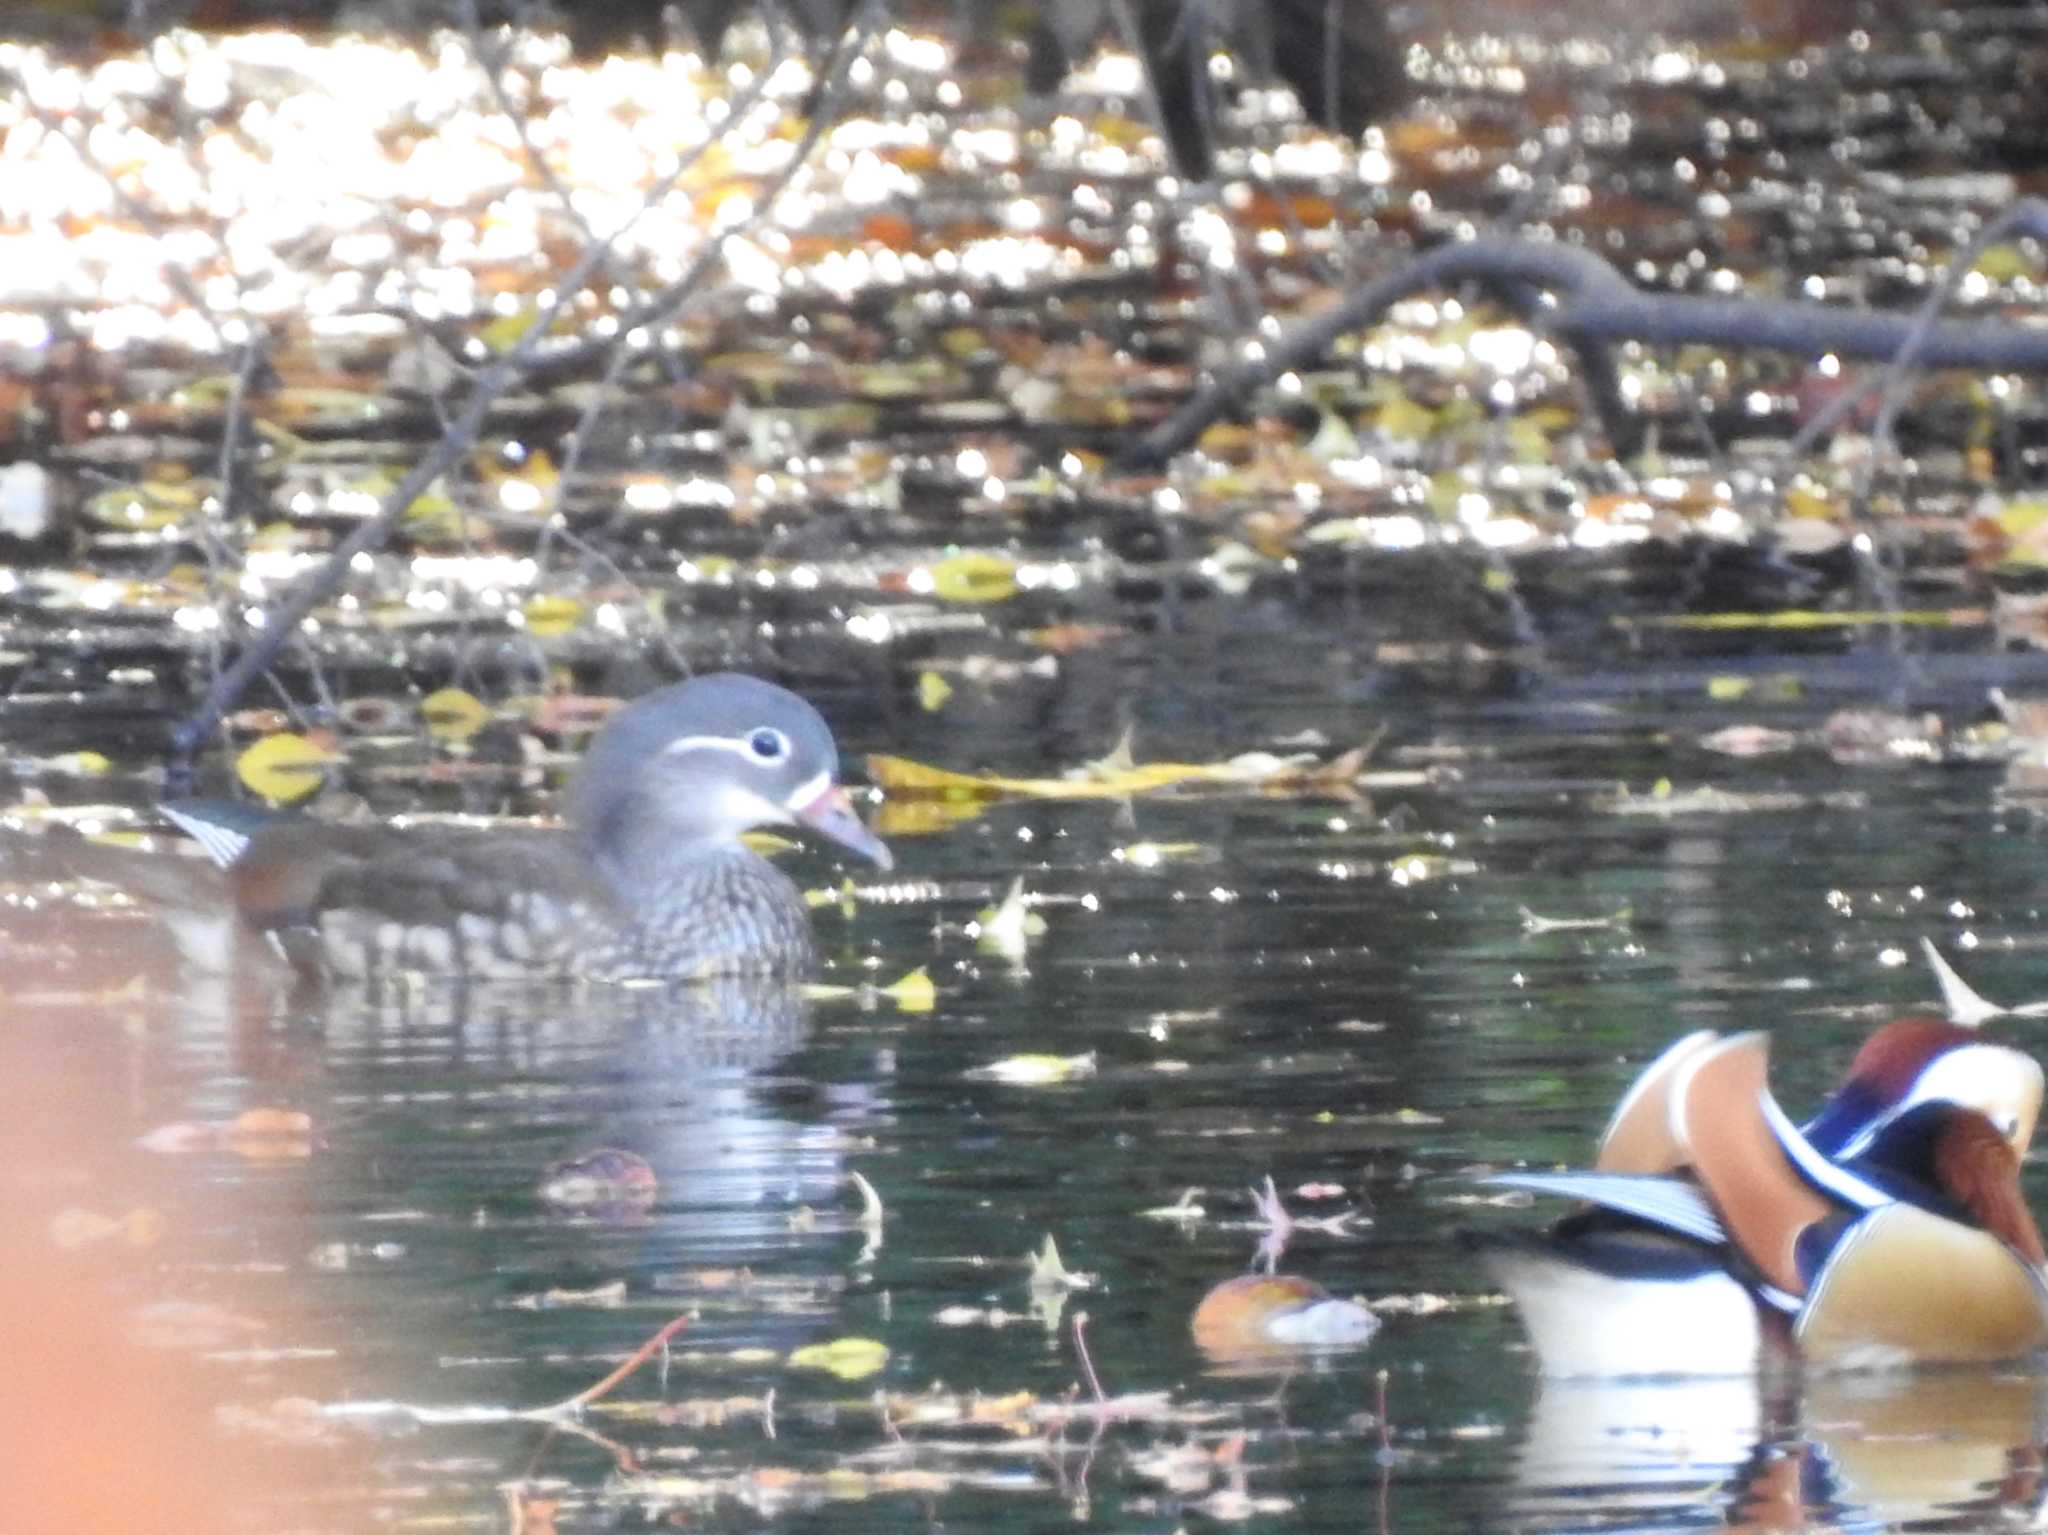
(768, 745)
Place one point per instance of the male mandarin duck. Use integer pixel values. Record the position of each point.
(1889, 1230)
(649, 879)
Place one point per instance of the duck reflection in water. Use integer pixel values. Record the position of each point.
(1830, 1451)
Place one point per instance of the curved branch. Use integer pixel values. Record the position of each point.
(1587, 304)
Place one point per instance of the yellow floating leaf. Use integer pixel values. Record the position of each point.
(147, 507)
(847, 1358)
(453, 715)
(975, 576)
(1803, 498)
(1448, 489)
(913, 993)
(903, 775)
(284, 767)
(504, 333)
(845, 898)
(434, 514)
(84, 764)
(312, 405)
(535, 468)
(926, 815)
(549, 616)
(933, 691)
(1806, 618)
(1403, 420)
(1528, 443)
(2002, 262)
(209, 391)
(1727, 689)
(1113, 777)
(1227, 440)
(1035, 1070)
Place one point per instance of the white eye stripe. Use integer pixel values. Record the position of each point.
(682, 744)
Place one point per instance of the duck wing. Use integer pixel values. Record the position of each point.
(1638, 1137)
(1669, 1204)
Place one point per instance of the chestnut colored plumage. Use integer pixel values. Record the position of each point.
(1890, 1229)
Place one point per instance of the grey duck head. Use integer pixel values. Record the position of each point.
(690, 767)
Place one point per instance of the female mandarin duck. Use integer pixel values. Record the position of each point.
(1889, 1230)
(649, 880)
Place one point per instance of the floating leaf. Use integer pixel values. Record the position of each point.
(1008, 929)
(453, 715)
(1049, 1273)
(145, 508)
(914, 993)
(610, 1183)
(1257, 1314)
(1035, 1070)
(433, 515)
(285, 767)
(1152, 855)
(306, 405)
(847, 1358)
(1184, 1209)
(1749, 741)
(1115, 776)
(550, 616)
(258, 1134)
(973, 577)
(80, 764)
(933, 691)
(2002, 262)
(504, 332)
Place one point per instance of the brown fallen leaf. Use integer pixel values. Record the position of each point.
(264, 1135)
(610, 1184)
(1257, 1315)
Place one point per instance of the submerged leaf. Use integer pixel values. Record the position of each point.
(847, 1358)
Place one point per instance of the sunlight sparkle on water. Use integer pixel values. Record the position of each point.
(363, 126)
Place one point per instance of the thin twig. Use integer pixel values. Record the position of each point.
(1087, 1364)
(634, 1360)
(285, 616)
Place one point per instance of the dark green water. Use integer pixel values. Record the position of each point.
(1274, 1001)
